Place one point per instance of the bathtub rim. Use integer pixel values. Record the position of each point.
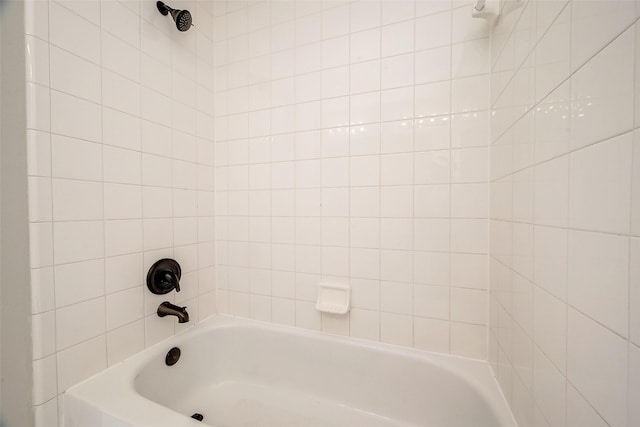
(96, 391)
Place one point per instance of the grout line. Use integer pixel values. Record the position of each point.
(488, 198)
(413, 185)
(379, 186)
(270, 216)
(349, 178)
(53, 263)
(634, 153)
(142, 188)
(569, 77)
(54, 309)
(294, 189)
(565, 154)
(322, 260)
(570, 82)
(532, 48)
(635, 138)
(576, 309)
(449, 222)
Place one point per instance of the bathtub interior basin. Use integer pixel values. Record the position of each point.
(240, 373)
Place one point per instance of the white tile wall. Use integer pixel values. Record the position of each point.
(351, 146)
(121, 162)
(563, 257)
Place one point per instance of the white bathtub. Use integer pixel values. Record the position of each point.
(242, 373)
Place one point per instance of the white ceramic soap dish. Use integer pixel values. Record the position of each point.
(333, 298)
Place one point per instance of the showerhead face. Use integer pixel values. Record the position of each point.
(182, 18)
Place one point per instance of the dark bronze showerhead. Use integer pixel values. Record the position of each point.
(182, 18)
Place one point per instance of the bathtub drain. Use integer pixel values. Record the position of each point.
(197, 416)
(172, 357)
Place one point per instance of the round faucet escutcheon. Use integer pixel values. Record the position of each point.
(164, 276)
